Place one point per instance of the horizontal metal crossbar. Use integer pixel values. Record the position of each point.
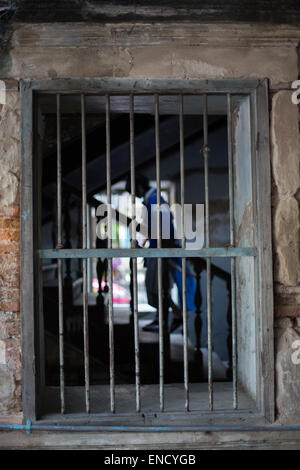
(148, 253)
(142, 86)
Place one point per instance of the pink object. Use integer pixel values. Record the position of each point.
(120, 295)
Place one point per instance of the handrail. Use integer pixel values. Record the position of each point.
(215, 270)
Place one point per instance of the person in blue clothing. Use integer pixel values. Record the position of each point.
(172, 268)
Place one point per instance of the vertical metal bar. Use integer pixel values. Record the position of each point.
(208, 260)
(134, 261)
(183, 242)
(84, 261)
(159, 261)
(109, 262)
(232, 242)
(59, 262)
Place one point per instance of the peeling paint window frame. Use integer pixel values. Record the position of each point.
(257, 90)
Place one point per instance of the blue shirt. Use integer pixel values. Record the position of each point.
(150, 200)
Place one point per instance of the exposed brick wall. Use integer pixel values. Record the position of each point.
(10, 328)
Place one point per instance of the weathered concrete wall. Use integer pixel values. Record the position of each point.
(285, 165)
(152, 50)
(286, 184)
(44, 51)
(10, 333)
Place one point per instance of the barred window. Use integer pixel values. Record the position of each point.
(169, 327)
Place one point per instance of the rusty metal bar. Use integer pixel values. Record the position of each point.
(232, 243)
(84, 261)
(208, 260)
(183, 245)
(59, 262)
(134, 261)
(159, 260)
(109, 261)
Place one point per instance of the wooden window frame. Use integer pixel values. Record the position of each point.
(258, 92)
